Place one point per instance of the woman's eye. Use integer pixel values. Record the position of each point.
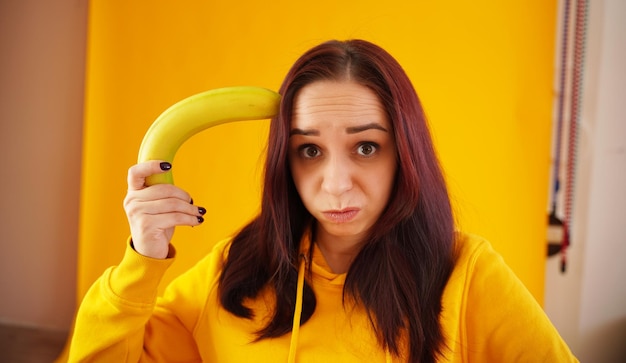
(309, 151)
(366, 149)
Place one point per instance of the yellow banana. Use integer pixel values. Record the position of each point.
(199, 112)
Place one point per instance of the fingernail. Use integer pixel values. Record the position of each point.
(191, 201)
(165, 165)
(200, 219)
(201, 210)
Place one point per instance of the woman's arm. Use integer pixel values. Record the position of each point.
(111, 321)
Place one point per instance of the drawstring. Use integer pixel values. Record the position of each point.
(295, 329)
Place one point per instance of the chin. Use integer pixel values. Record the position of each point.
(344, 230)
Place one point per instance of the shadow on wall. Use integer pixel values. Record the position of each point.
(606, 343)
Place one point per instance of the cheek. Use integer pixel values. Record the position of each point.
(385, 180)
(300, 180)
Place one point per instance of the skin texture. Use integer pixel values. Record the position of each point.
(343, 161)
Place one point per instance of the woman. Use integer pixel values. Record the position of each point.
(353, 257)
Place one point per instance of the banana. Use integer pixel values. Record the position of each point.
(199, 112)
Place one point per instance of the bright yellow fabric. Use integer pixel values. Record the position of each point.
(488, 316)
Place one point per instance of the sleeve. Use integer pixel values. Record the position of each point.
(504, 322)
(121, 319)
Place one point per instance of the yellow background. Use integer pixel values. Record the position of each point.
(483, 70)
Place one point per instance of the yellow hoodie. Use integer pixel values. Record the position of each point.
(488, 316)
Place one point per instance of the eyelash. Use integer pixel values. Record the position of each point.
(303, 149)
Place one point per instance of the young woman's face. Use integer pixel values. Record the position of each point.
(342, 156)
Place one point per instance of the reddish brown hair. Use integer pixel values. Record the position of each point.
(400, 273)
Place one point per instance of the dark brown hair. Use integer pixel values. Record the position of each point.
(400, 273)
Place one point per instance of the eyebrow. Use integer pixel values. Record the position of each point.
(297, 131)
(361, 128)
(349, 130)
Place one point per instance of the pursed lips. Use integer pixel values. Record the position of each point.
(341, 216)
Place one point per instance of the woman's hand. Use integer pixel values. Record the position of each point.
(154, 211)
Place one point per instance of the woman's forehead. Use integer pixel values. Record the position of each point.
(343, 102)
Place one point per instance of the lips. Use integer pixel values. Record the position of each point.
(341, 216)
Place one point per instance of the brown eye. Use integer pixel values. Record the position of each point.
(366, 149)
(309, 151)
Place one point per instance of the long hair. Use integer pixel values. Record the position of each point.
(402, 269)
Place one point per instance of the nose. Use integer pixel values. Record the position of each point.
(337, 176)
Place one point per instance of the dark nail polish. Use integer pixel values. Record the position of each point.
(165, 165)
(200, 219)
(201, 210)
(191, 201)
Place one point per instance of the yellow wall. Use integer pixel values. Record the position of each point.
(483, 70)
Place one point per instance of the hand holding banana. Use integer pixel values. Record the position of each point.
(153, 205)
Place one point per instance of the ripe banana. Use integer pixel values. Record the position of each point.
(199, 112)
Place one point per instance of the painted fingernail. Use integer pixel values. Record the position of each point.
(200, 219)
(201, 210)
(165, 165)
(191, 201)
